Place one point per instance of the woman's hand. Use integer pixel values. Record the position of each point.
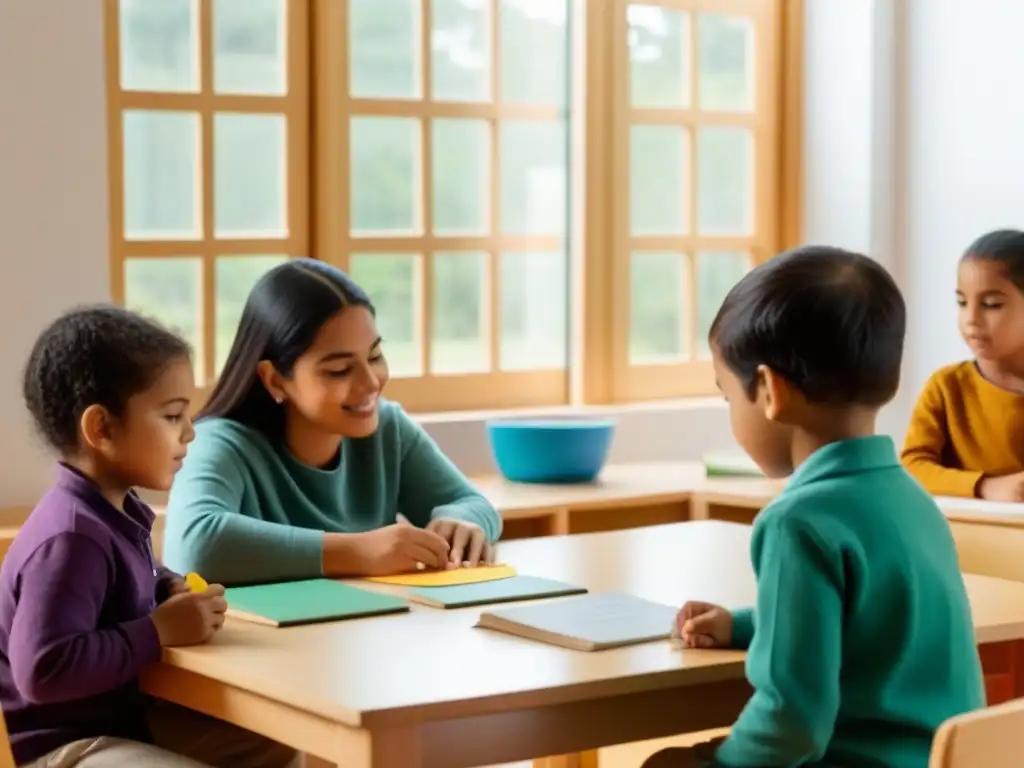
(398, 548)
(469, 545)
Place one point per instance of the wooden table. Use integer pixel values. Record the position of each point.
(989, 535)
(428, 689)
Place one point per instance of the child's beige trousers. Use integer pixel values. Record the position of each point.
(182, 739)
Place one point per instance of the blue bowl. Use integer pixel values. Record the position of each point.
(550, 450)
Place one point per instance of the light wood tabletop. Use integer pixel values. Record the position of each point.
(756, 493)
(428, 689)
(989, 535)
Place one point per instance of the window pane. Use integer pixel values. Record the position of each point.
(385, 154)
(461, 50)
(234, 278)
(534, 311)
(159, 45)
(161, 176)
(726, 63)
(249, 46)
(725, 193)
(658, 176)
(534, 51)
(717, 273)
(250, 156)
(171, 292)
(384, 48)
(459, 337)
(461, 158)
(659, 57)
(393, 282)
(534, 177)
(658, 283)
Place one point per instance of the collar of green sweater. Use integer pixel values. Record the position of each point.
(846, 457)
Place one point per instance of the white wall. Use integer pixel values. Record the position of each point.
(53, 199)
(837, 132)
(913, 147)
(965, 155)
(850, 179)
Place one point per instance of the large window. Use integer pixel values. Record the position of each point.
(696, 120)
(209, 135)
(546, 199)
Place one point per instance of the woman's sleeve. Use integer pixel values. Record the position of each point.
(430, 486)
(923, 449)
(210, 530)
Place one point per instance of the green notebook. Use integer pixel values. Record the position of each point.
(730, 465)
(486, 592)
(306, 602)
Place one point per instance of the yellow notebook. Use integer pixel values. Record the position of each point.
(453, 577)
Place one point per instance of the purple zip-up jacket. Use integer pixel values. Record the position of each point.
(76, 590)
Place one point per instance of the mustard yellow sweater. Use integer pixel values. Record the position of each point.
(963, 428)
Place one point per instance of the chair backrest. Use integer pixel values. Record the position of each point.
(988, 738)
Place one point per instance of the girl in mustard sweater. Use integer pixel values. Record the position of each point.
(965, 436)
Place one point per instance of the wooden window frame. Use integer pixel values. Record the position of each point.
(334, 242)
(318, 109)
(607, 375)
(293, 105)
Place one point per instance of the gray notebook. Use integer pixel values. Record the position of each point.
(586, 623)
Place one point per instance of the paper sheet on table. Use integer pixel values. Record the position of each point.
(450, 578)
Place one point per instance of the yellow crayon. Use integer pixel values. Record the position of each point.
(195, 582)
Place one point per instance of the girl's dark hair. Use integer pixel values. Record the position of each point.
(101, 355)
(282, 316)
(1005, 247)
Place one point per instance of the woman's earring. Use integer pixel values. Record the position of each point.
(279, 399)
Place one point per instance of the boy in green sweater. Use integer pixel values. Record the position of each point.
(861, 643)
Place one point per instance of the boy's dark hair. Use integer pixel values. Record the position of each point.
(98, 355)
(829, 321)
(1005, 247)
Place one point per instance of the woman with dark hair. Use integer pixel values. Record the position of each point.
(300, 469)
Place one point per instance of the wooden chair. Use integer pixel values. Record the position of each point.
(6, 758)
(989, 738)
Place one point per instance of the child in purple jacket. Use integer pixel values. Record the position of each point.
(84, 606)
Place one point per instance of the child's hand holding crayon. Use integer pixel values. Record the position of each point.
(192, 615)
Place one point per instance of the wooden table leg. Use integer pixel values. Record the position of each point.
(396, 748)
(579, 760)
(699, 508)
(557, 523)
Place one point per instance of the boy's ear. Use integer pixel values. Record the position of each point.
(97, 426)
(272, 380)
(774, 394)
